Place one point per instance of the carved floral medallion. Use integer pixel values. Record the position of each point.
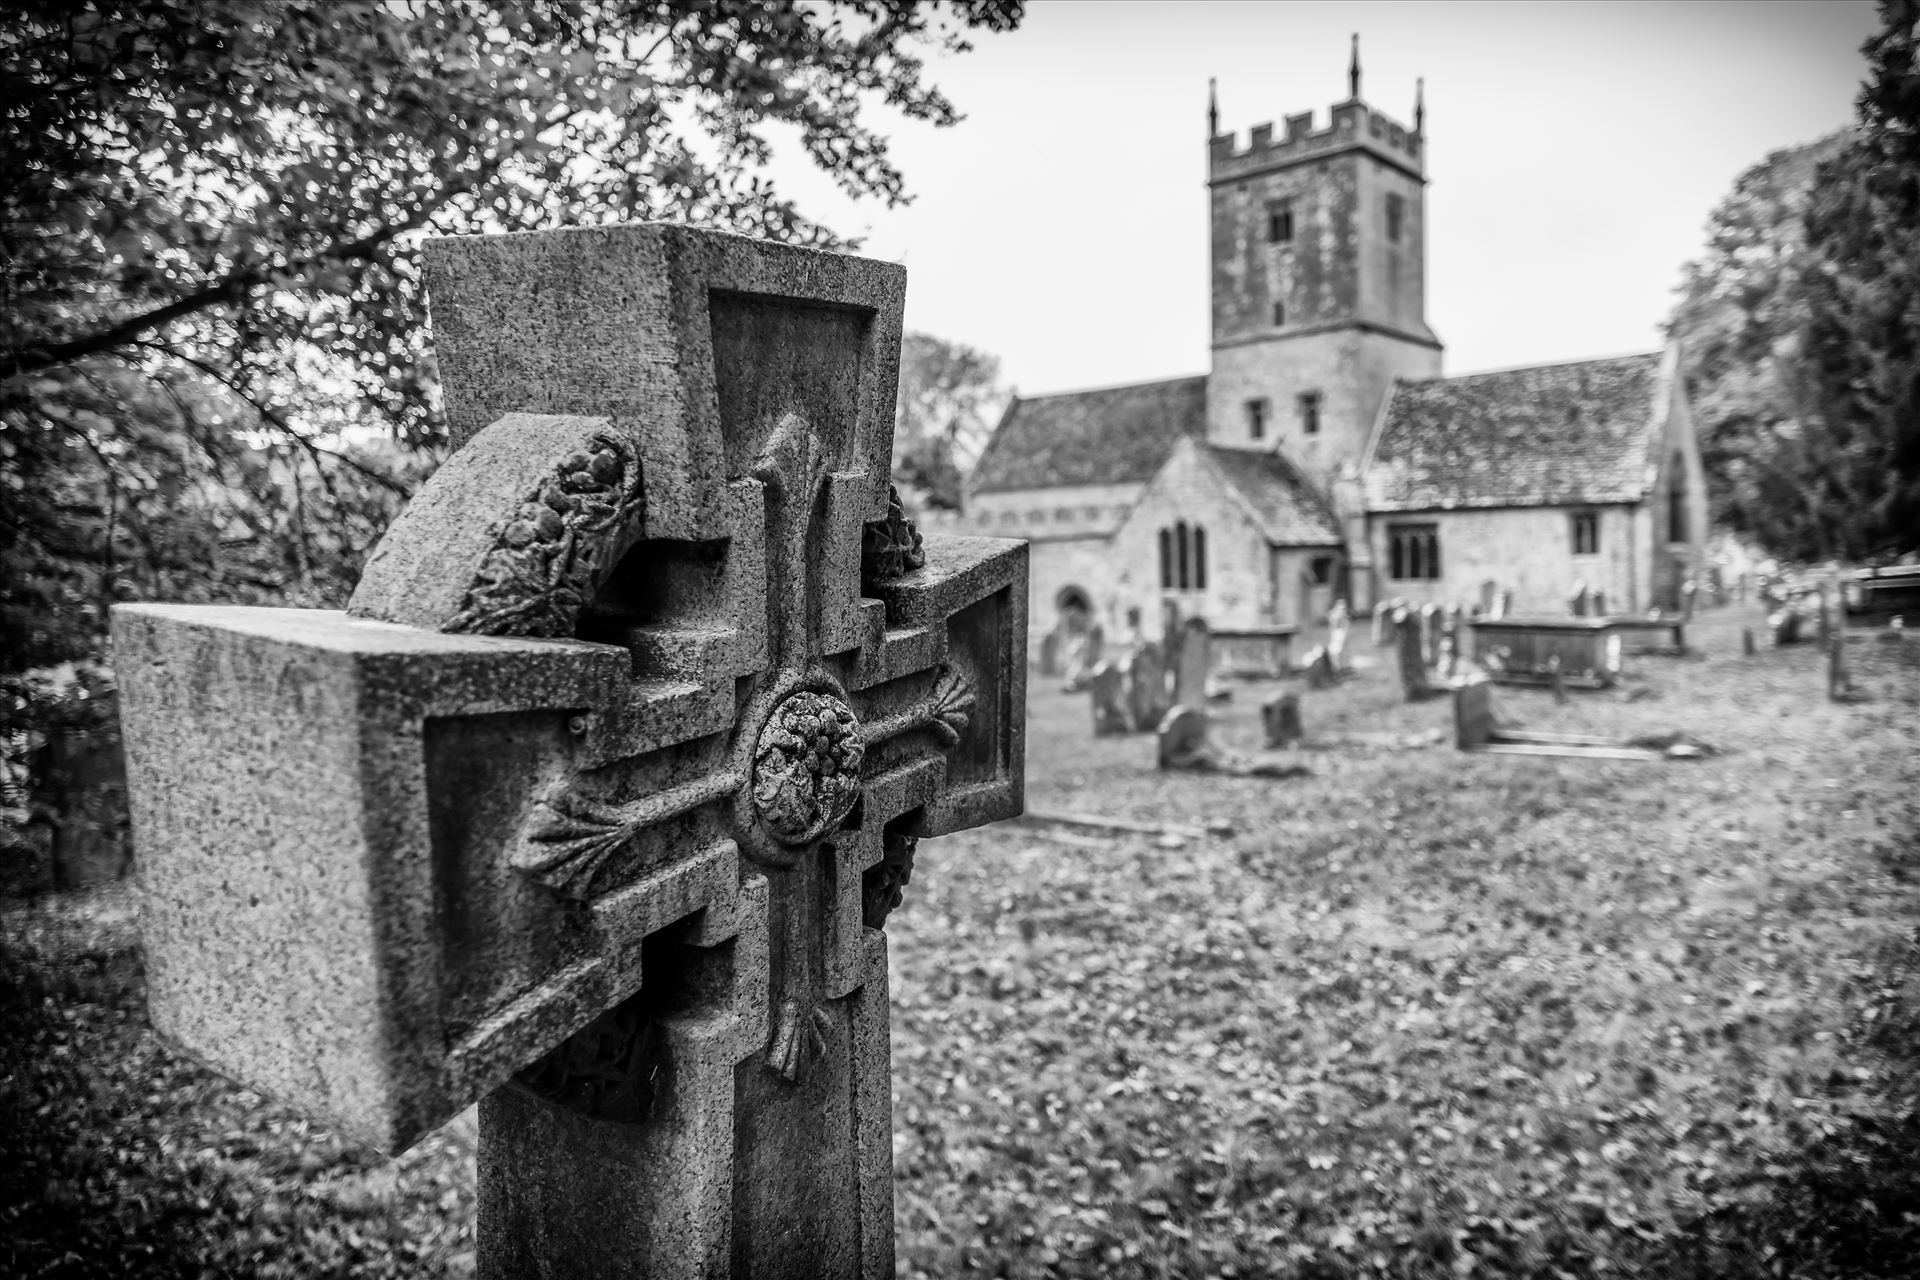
(806, 766)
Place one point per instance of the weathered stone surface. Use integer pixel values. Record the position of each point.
(1107, 687)
(611, 773)
(1182, 737)
(1412, 652)
(1280, 719)
(1194, 663)
(1145, 687)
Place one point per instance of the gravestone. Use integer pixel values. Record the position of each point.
(1578, 600)
(1106, 689)
(1383, 624)
(1450, 638)
(1050, 653)
(1193, 663)
(1182, 738)
(1414, 675)
(1747, 646)
(1145, 687)
(1503, 603)
(1597, 603)
(1688, 591)
(1339, 621)
(1430, 633)
(595, 801)
(1319, 669)
(1280, 720)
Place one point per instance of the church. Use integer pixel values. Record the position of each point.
(1324, 456)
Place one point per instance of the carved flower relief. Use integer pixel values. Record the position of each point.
(806, 766)
(537, 577)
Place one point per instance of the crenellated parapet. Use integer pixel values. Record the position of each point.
(1354, 126)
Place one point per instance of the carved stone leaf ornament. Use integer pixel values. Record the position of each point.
(540, 573)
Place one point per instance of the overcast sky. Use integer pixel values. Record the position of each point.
(1574, 152)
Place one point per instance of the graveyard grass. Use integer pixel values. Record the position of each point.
(1423, 1014)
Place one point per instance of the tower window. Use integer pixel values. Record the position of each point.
(1310, 413)
(1256, 419)
(1413, 551)
(1396, 214)
(1586, 533)
(1280, 221)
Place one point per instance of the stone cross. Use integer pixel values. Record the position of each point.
(594, 801)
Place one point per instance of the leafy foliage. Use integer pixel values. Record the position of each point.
(1800, 327)
(948, 391)
(215, 383)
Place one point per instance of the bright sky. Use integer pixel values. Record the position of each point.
(1574, 151)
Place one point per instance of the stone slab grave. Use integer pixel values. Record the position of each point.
(1478, 728)
(593, 803)
(1582, 652)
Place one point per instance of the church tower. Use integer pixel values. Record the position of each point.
(1319, 280)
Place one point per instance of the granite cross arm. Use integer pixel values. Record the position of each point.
(593, 802)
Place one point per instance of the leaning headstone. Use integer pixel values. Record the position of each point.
(1280, 720)
(1414, 676)
(1145, 688)
(1106, 687)
(1319, 670)
(1383, 626)
(1182, 737)
(556, 814)
(1195, 660)
(1839, 682)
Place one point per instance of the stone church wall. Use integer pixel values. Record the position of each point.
(1527, 550)
(1239, 590)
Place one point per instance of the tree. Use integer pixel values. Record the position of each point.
(1799, 328)
(212, 212)
(948, 393)
(215, 382)
(1861, 342)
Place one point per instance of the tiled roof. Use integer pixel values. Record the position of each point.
(1545, 436)
(1115, 435)
(1290, 512)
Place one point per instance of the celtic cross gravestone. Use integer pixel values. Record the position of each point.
(594, 801)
